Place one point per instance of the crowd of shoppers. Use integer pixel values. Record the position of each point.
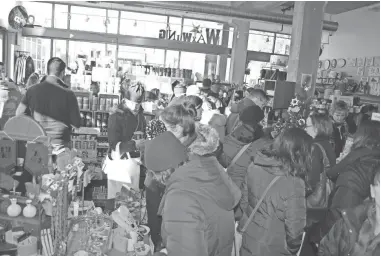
(210, 177)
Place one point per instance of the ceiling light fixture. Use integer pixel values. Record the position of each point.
(135, 23)
(267, 39)
(87, 19)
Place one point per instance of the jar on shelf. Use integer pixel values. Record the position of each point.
(14, 209)
(29, 210)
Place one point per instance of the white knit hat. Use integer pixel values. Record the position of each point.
(193, 90)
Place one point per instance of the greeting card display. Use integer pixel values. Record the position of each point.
(36, 159)
(7, 155)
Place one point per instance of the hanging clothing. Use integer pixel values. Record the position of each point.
(24, 67)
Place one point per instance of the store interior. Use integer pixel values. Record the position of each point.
(103, 43)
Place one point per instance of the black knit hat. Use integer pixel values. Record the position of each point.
(251, 115)
(164, 152)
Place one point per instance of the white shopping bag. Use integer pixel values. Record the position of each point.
(121, 172)
(237, 241)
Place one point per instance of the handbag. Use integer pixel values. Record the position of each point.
(120, 172)
(239, 232)
(320, 196)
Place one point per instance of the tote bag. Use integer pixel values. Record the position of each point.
(121, 172)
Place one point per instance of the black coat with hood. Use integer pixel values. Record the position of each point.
(197, 207)
(353, 176)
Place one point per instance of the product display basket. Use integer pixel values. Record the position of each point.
(90, 233)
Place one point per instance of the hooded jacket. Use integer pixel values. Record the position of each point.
(231, 147)
(351, 232)
(277, 226)
(353, 176)
(197, 207)
(235, 110)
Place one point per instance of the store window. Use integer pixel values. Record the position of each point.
(1, 45)
(112, 22)
(191, 24)
(282, 44)
(60, 16)
(227, 75)
(174, 24)
(255, 72)
(59, 50)
(88, 19)
(140, 55)
(231, 37)
(260, 41)
(42, 12)
(85, 51)
(193, 61)
(172, 59)
(39, 50)
(142, 24)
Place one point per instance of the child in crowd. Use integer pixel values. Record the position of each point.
(340, 127)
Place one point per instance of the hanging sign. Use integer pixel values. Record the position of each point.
(7, 155)
(36, 159)
(196, 35)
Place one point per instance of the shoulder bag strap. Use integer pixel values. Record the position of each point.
(326, 161)
(258, 204)
(239, 154)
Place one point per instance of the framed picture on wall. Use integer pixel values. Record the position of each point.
(361, 62)
(376, 61)
(360, 71)
(368, 61)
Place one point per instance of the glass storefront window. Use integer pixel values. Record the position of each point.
(227, 75)
(88, 19)
(141, 24)
(172, 59)
(255, 72)
(174, 25)
(88, 51)
(1, 46)
(42, 12)
(194, 61)
(282, 44)
(39, 50)
(231, 37)
(60, 16)
(190, 24)
(59, 49)
(112, 26)
(260, 41)
(140, 55)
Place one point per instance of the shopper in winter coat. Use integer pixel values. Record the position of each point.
(197, 207)
(179, 120)
(354, 173)
(256, 97)
(358, 231)
(277, 226)
(319, 127)
(352, 176)
(248, 131)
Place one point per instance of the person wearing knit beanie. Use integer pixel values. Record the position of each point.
(251, 115)
(164, 152)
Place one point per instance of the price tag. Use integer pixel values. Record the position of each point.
(36, 159)
(7, 155)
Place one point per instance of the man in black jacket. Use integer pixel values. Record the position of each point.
(53, 105)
